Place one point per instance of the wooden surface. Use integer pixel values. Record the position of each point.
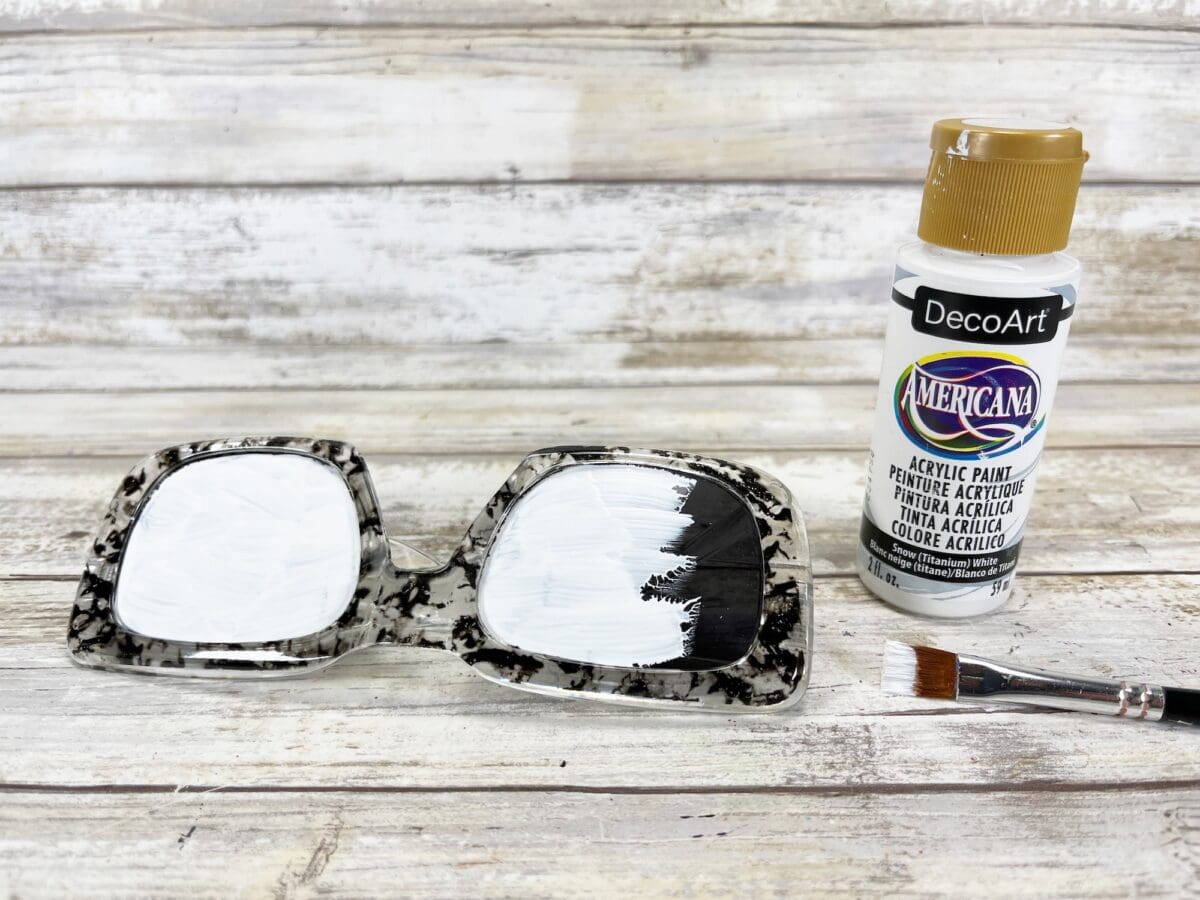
(374, 105)
(455, 232)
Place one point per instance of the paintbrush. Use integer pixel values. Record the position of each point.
(940, 674)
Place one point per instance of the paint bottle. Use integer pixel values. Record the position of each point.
(978, 318)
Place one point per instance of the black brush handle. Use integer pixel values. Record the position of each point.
(1181, 706)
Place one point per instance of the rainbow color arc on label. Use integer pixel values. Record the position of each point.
(974, 405)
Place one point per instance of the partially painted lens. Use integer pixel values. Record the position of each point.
(246, 547)
(626, 565)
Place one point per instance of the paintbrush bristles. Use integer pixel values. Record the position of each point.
(937, 673)
(920, 671)
(899, 665)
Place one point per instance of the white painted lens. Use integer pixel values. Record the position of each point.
(568, 573)
(244, 547)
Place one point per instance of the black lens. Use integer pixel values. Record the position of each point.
(727, 577)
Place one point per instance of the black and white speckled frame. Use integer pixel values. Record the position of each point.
(436, 607)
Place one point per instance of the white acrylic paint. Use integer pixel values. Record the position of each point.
(245, 547)
(565, 573)
(975, 336)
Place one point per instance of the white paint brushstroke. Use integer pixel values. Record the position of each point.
(564, 575)
(246, 547)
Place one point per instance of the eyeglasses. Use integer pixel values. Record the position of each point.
(643, 576)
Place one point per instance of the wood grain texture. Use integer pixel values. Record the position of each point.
(384, 267)
(390, 717)
(507, 845)
(94, 15)
(1094, 511)
(470, 421)
(256, 258)
(371, 105)
(70, 367)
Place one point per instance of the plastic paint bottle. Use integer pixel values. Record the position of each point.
(978, 319)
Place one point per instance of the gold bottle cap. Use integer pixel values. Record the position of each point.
(1003, 186)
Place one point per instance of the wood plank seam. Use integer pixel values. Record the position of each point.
(820, 790)
(9, 30)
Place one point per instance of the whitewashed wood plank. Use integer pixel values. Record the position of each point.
(1095, 510)
(404, 717)
(362, 105)
(71, 367)
(397, 266)
(507, 845)
(124, 14)
(774, 417)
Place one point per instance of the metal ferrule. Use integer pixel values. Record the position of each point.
(987, 679)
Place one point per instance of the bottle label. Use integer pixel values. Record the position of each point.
(990, 320)
(968, 380)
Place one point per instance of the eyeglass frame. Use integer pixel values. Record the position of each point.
(436, 607)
